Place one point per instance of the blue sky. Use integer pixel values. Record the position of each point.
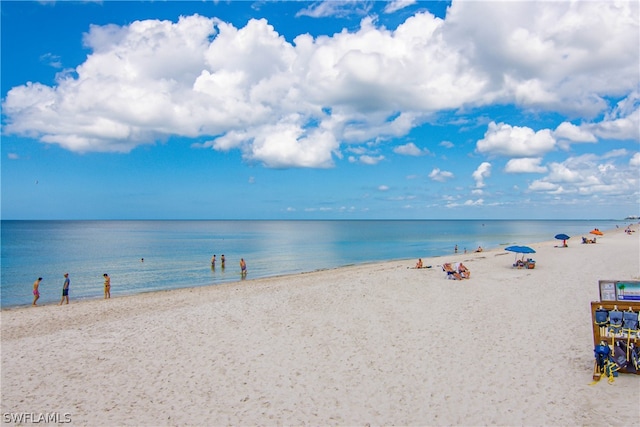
(320, 110)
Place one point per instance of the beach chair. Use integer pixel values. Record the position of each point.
(451, 273)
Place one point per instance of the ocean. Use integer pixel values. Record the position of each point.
(143, 256)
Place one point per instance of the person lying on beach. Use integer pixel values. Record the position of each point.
(451, 272)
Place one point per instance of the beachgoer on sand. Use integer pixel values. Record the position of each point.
(465, 273)
(36, 290)
(451, 272)
(65, 289)
(107, 286)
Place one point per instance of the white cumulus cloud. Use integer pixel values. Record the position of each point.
(525, 165)
(515, 141)
(299, 103)
(481, 173)
(410, 149)
(440, 175)
(590, 174)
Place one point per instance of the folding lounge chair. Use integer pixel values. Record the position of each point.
(451, 273)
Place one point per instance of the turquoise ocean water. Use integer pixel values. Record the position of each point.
(177, 254)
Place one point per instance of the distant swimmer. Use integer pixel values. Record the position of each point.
(213, 262)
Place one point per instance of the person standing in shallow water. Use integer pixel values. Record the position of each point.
(65, 289)
(107, 286)
(36, 290)
(222, 260)
(243, 267)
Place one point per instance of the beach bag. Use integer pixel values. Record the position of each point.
(635, 357)
(615, 321)
(620, 355)
(630, 365)
(602, 352)
(601, 316)
(611, 370)
(630, 321)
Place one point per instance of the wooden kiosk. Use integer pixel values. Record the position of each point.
(615, 324)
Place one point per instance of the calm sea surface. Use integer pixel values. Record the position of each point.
(177, 254)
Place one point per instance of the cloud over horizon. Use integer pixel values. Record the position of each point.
(296, 104)
(567, 73)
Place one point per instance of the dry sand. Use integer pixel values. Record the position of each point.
(377, 344)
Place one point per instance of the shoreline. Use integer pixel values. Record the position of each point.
(81, 300)
(379, 344)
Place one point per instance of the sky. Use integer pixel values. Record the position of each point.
(320, 110)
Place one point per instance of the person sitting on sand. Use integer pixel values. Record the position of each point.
(463, 270)
(419, 263)
(479, 249)
(451, 272)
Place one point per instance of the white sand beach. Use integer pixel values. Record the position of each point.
(376, 344)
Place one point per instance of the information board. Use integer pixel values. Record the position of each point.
(619, 290)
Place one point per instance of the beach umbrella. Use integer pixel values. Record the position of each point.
(596, 232)
(562, 236)
(520, 250)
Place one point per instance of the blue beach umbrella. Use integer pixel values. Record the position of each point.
(520, 250)
(562, 236)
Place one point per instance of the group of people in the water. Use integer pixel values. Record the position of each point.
(243, 264)
(455, 249)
